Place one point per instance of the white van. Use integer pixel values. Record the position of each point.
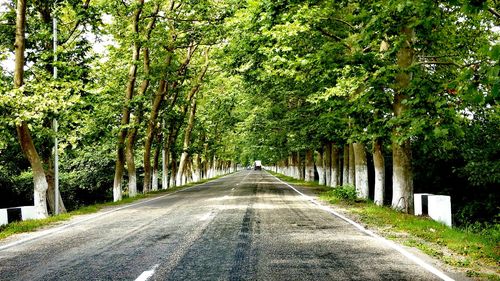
(257, 165)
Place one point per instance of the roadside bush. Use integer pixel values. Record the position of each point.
(346, 192)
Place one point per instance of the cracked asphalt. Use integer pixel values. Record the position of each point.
(245, 226)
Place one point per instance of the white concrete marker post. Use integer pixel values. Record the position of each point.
(29, 213)
(4, 218)
(440, 208)
(418, 199)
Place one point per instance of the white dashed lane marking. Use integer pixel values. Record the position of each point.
(147, 274)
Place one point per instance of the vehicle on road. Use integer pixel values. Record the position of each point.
(258, 165)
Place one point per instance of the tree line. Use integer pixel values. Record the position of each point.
(392, 97)
(382, 95)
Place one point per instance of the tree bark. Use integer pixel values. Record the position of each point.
(132, 132)
(155, 109)
(352, 168)
(129, 92)
(378, 162)
(402, 177)
(327, 165)
(345, 166)
(361, 167)
(335, 166)
(51, 195)
(187, 139)
(129, 158)
(156, 160)
(164, 161)
(173, 160)
(196, 168)
(23, 132)
(320, 168)
(309, 166)
(301, 166)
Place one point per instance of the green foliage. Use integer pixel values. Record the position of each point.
(346, 193)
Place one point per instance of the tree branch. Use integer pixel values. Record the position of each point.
(345, 22)
(333, 36)
(439, 63)
(494, 12)
(85, 6)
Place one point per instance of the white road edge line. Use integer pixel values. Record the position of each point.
(388, 243)
(98, 215)
(147, 274)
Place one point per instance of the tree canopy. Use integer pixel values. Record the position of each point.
(160, 93)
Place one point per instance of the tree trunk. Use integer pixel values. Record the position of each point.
(402, 177)
(129, 92)
(174, 168)
(196, 168)
(320, 168)
(164, 162)
(352, 168)
(345, 168)
(129, 156)
(302, 164)
(156, 160)
(132, 132)
(23, 133)
(51, 195)
(378, 162)
(49, 175)
(150, 132)
(155, 109)
(309, 166)
(39, 177)
(327, 160)
(187, 140)
(361, 167)
(335, 167)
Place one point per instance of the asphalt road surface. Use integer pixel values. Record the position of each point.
(246, 226)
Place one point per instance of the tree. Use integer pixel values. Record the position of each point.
(23, 132)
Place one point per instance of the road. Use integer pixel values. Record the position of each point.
(245, 226)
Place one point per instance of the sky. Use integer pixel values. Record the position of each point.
(99, 46)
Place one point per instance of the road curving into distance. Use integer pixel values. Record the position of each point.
(245, 226)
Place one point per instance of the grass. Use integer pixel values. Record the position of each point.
(32, 225)
(476, 254)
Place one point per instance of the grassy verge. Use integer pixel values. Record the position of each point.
(32, 225)
(475, 253)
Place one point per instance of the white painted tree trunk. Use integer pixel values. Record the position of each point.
(379, 165)
(164, 172)
(296, 168)
(154, 181)
(180, 171)
(402, 177)
(362, 188)
(196, 168)
(335, 167)
(320, 168)
(327, 159)
(345, 166)
(302, 167)
(352, 164)
(117, 189)
(132, 184)
(309, 166)
(39, 195)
